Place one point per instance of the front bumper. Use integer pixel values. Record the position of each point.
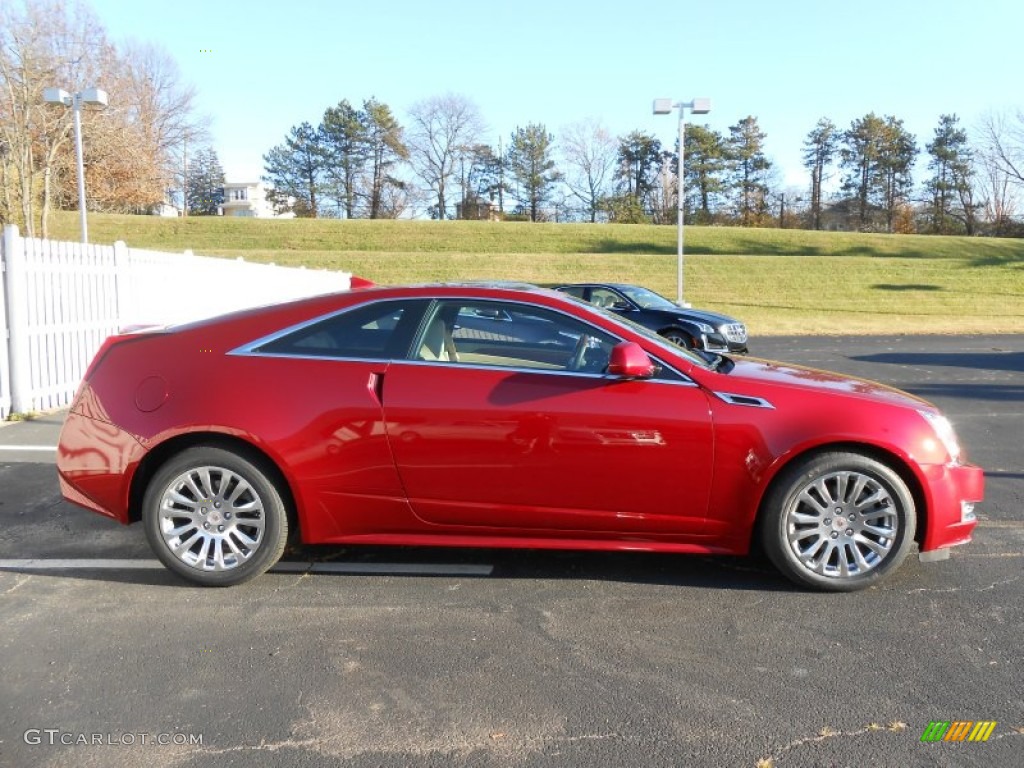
(716, 343)
(951, 491)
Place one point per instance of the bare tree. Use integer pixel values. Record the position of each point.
(1003, 141)
(439, 130)
(1000, 157)
(128, 147)
(590, 153)
(43, 43)
(152, 106)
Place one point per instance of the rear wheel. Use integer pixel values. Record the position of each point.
(838, 521)
(215, 517)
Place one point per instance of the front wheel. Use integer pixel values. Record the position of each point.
(214, 517)
(838, 521)
(679, 338)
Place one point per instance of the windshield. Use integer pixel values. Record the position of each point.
(646, 298)
(663, 343)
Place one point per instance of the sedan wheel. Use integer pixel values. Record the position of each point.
(679, 338)
(838, 522)
(214, 517)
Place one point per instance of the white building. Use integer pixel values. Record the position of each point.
(249, 199)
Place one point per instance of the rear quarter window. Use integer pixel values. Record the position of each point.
(377, 331)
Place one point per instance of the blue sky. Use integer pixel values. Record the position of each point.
(272, 65)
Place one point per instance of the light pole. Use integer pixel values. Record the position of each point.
(665, 107)
(93, 96)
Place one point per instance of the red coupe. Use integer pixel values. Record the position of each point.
(500, 415)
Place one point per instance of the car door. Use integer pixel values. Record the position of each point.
(516, 426)
(320, 383)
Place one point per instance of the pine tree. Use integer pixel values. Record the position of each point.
(205, 183)
(531, 164)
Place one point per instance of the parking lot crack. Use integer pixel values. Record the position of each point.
(22, 580)
(989, 588)
(263, 746)
(825, 734)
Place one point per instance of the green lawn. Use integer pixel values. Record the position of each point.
(778, 281)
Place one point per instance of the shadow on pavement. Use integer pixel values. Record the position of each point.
(992, 361)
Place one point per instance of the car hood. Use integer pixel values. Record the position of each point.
(701, 316)
(760, 372)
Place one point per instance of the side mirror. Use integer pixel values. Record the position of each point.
(629, 361)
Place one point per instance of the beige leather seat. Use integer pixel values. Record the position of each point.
(437, 345)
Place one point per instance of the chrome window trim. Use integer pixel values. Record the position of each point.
(686, 382)
(686, 379)
(249, 349)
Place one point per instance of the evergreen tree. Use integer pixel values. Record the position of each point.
(820, 149)
(205, 183)
(639, 158)
(899, 150)
(951, 187)
(878, 155)
(386, 148)
(749, 169)
(532, 166)
(706, 161)
(344, 146)
(295, 171)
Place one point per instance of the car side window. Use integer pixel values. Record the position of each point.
(603, 297)
(511, 335)
(377, 331)
(574, 290)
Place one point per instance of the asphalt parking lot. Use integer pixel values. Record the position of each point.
(480, 658)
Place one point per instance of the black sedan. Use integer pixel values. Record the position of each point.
(692, 328)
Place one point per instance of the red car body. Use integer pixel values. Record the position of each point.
(420, 452)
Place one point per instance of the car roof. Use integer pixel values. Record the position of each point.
(600, 283)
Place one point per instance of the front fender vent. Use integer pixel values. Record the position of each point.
(748, 400)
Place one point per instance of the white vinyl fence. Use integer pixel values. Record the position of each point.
(59, 301)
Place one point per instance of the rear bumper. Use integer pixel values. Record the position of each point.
(95, 463)
(951, 489)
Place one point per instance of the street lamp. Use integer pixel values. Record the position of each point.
(665, 107)
(93, 96)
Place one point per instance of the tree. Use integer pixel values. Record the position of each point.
(820, 149)
(639, 158)
(749, 169)
(878, 155)
(1001, 158)
(129, 147)
(440, 127)
(205, 183)
(705, 164)
(1003, 137)
(951, 184)
(532, 166)
(589, 154)
(481, 180)
(899, 151)
(295, 170)
(384, 140)
(343, 141)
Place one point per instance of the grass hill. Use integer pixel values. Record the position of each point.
(778, 281)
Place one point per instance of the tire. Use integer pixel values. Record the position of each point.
(236, 535)
(680, 338)
(838, 522)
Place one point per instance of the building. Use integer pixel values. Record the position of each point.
(249, 199)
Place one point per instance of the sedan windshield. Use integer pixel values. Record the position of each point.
(703, 359)
(645, 298)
